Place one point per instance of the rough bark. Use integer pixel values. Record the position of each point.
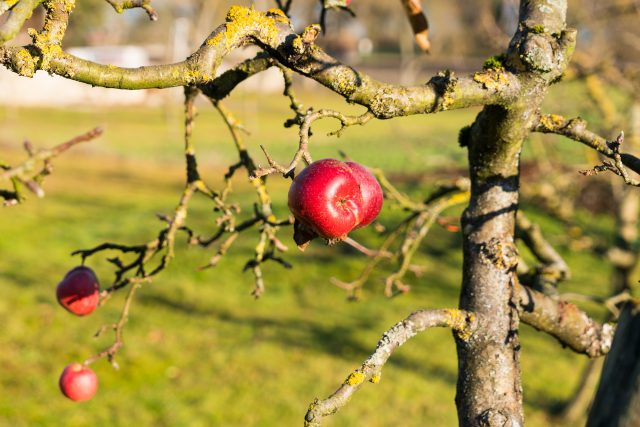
(489, 391)
(617, 401)
(564, 321)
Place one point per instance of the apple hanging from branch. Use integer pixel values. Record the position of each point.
(330, 198)
(78, 382)
(79, 291)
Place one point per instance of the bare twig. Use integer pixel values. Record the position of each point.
(26, 173)
(553, 269)
(414, 227)
(118, 328)
(617, 167)
(576, 129)
(305, 129)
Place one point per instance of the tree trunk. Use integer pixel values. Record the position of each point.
(617, 401)
(489, 390)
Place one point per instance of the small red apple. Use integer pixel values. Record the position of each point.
(329, 198)
(79, 291)
(78, 382)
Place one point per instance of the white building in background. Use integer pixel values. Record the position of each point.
(46, 90)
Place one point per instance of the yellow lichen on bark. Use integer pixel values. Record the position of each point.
(551, 121)
(240, 19)
(461, 322)
(375, 379)
(355, 378)
(492, 79)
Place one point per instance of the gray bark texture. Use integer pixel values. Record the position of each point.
(489, 390)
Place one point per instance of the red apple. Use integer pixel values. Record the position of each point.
(371, 193)
(329, 198)
(79, 291)
(78, 382)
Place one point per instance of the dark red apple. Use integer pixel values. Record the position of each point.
(329, 198)
(79, 291)
(78, 382)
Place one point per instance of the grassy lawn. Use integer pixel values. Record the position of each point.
(199, 350)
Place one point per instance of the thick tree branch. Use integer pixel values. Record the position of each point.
(222, 85)
(272, 32)
(489, 391)
(564, 321)
(462, 322)
(617, 401)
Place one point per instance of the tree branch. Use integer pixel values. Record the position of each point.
(25, 173)
(564, 321)
(305, 130)
(553, 268)
(222, 85)
(462, 322)
(576, 129)
(272, 32)
(120, 5)
(19, 14)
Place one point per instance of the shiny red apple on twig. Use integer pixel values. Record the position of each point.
(330, 198)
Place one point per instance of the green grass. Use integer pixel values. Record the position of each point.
(199, 350)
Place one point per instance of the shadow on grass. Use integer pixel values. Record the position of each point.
(337, 340)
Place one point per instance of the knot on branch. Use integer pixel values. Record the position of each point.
(539, 51)
(265, 27)
(502, 254)
(492, 79)
(601, 339)
(496, 418)
(302, 43)
(462, 322)
(444, 84)
(21, 61)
